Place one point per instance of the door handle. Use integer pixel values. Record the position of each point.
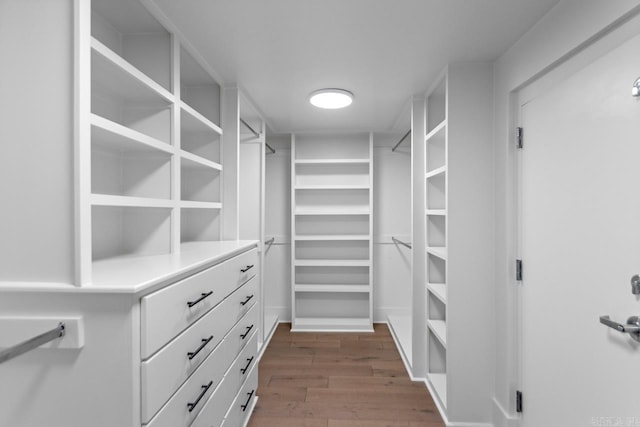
(632, 327)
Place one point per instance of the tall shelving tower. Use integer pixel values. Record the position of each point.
(331, 228)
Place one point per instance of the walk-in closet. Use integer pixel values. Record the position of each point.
(319, 213)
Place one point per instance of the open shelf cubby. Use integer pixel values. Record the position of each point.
(199, 183)
(325, 249)
(339, 175)
(127, 231)
(437, 105)
(198, 90)
(333, 226)
(198, 224)
(437, 148)
(436, 231)
(436, 192)
(140, 39)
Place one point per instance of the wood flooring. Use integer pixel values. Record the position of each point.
(339, 380)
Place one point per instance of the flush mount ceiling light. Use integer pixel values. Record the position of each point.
(331, 98)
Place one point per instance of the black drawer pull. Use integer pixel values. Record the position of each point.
(244, 370)
(249, 328)
(202, 297)
(246, 300)
(249, 267)
(193, 405)
(205, 341)
(246, 405)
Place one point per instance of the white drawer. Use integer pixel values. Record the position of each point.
(169, 311)
(242, 331)
(242, 267)
(187, 402)
(244, 402)
(215, 409)
(163, 373)
(242, 366)
(243, 299)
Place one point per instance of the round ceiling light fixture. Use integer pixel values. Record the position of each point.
(331, 99)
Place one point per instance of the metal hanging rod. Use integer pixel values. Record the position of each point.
(401, 140)
(30, 344)
(273, 150)
(270, 242)
(400, 242)
(252, 130)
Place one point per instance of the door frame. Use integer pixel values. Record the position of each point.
(592, 49)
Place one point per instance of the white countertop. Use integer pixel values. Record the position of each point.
(143, 274)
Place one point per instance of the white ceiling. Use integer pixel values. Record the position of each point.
(384, 51)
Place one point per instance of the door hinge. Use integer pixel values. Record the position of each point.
(519, 270)
(518, 401)
(519, 137)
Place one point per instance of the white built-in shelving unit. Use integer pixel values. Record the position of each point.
(457, 241)
(154, 163)
(331, 199)
(436, 238)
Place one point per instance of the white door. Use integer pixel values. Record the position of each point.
(580, 245)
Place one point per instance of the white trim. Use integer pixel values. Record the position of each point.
(501, 418)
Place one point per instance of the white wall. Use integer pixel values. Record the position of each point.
(392, 263)
(391, 218)
(277, 259)
(36, 137)
(563, 32)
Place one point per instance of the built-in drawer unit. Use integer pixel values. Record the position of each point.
(171, 310)
(199, 343)
(163, 373)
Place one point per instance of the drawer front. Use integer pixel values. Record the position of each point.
(188, 401)
(215, 409)
(243, 299)
(242, 366)
(169, 311)
(163, 373)
(242, 406)
(241, 333)
(242, 267)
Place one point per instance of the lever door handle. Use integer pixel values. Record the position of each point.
(632, 327)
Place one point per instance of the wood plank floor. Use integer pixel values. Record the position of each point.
(339, 380)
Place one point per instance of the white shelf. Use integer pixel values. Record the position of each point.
(332, 187)
(333, 211)
(332, 263)
(333, 288)
(438, 171)
(439, 384)
(133, 202)
(439, 290)
(199, 117)
(116, 136)
(200, 205)
(437, 212)
(430, 136)
(331, 237)
(332, 161)
(440, 252)
(196, 162)
(320, 324)
(118, 76)
(439, 330)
